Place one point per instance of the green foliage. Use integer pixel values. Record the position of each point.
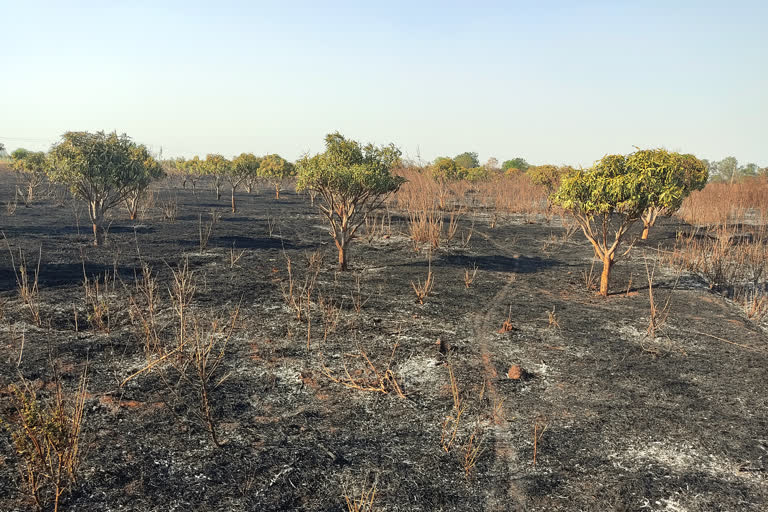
(608, 187)
(275, 167)
(516, 163)
(668, 177)
(547, 175)
(445, 169)
(102, 169)
(244, 167)
(476, 174)
(349, 170)
(468, 160)
(216, 165)
(28, 162)
(351, 180)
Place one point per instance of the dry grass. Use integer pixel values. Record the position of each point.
(422, 290)
(364, 503)
(366, 377)
(29, 291)
(727, 204)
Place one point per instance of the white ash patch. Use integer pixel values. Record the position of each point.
(420, 371)
(678, 457)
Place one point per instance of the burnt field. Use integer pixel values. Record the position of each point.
(511, 387)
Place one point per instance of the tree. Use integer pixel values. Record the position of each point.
(31, 168)
(467, 160)
(194, 169)
(749, 170)
(218, 167)
(548, 176)
(492, 165)
(276, 169)
(605, 200)
(444, 171)
(139, 187)
(727, 169)
(101, 169)
(668, 178)
(352, 181)
(242, 169)
(516, 163)
(2, 147)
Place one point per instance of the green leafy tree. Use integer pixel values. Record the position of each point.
(749, 170)
(276, 170)
(243, 168)
(101, 169)
(727, 169)
(194, 169)
(352, 181)
(668, 178)
(444, 171)
(30, 165)
(605, 200)
(516, 163)
(468, 160)
(149, 172)
(548, 176)
(218, 168)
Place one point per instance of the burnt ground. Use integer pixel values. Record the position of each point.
(622, 421)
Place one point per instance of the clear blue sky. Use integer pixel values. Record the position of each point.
(553, 82)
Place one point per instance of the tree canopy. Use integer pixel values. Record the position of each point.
(352, 180)
(516, 163)
(101, 168)
(467, 160)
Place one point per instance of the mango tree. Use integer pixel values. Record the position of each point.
(150, 172)
(547, 176)
(669, 179)
(194, 169)
(352, 181)
(605, 200)
(444, 170)
(243, 168)
(218, 168)
(276, 170)
(101, 169)
(30, 165)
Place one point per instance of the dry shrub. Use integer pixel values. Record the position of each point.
(367, 377)
(726, 257)
(46, 438)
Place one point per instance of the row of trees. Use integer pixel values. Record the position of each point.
(466, 166)
(246, 169)
(728, 170)
(352, 180)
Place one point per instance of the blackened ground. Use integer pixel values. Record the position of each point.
(622, 421)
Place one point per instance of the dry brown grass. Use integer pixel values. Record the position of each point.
(727, 204)
(366, 376)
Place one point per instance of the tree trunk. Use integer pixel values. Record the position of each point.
(607, 264)
(218, 192)
(342, 246)
(96, 213)
(646, 227)
(277, 191)
(234, 208)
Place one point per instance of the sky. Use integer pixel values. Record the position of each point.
(561, 82)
